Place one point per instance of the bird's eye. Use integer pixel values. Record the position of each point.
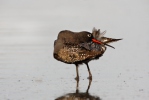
(89, 35)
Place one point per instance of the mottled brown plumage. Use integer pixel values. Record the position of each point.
(68, 47)
(79, 47)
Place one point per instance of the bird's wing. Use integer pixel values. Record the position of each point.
(91, 46)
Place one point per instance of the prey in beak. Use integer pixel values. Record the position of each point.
(99, 38)
(99, 42)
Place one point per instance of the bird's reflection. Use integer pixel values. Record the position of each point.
(79, 95)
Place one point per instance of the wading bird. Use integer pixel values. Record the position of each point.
(80, 47)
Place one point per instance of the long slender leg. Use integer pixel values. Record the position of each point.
(77, 72)
(90, 75)
(90, 81)
(77, 87)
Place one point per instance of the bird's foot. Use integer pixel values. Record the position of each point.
(77, 78)
(90, 77)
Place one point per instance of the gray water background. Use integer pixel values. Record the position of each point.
(28, 29)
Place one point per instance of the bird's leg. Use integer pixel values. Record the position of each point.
(90, 81)
(77, 87)
(90, 75)
(77, 72)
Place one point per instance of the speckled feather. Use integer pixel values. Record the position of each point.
(81, 52)
(80, 47)
(76, 47)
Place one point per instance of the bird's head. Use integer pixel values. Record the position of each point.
(88, 37)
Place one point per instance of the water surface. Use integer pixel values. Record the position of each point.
(28, 29)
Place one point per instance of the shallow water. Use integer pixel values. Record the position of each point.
(28, 70)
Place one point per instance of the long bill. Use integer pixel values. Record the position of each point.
(99, 42)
